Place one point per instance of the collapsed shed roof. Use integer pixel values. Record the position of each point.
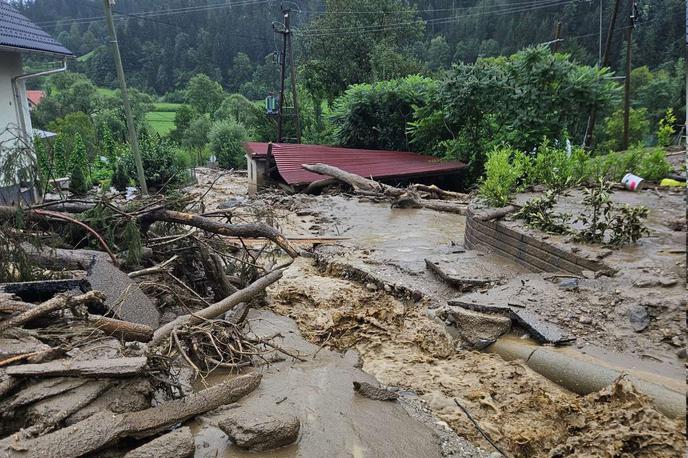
(363, 162)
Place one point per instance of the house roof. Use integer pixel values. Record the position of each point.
(363, 162)
(18, 32)
(35, 97)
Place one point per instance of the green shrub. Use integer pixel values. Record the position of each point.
(227, 140)
(551, 167)
(539, 213)
(120, 177)
(626, 225)
(78, 179)
(377, 115)
(653, 165)
(666, 130)
(161, 163)
(638, 129)
(78, 183)
(501, 177)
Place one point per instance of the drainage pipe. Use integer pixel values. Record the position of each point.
(585, 377)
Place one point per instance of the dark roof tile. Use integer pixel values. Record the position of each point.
(16, 31)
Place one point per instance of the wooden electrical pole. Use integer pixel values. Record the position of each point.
(131, 127)
(287, 48)
(627, 81)
(557, 35)
(587, 141)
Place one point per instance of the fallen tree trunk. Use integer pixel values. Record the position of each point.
(355, 181)
(105, 428)
(317, 186)
(122, 329)
(218, 308)
(372, 188)
(217, 227)
(58, 302)
(116, 367)
(441, 193)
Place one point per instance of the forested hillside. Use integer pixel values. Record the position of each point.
(164, 44)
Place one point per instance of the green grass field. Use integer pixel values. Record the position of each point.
(105, 91)
(161, 119)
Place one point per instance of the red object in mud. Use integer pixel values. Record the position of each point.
(363, 162)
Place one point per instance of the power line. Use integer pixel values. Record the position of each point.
(158, 13)
(179, 27)
(384, 27)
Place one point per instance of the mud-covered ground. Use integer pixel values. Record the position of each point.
(522, 411)
(401, 346)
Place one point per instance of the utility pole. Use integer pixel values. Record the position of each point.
(557, 34)
(287, 48)
(627, 81)
(587, 141)
(131, 127)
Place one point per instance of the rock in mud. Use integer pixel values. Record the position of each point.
(639, 318)
(177, 444)
(374, 393)
(474, 327)
(569, 284)
(258, 433)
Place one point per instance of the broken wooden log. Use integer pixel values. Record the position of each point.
(157, 269)
(373, 188)
(176, 444)
(317, 186)
(58, 302)
(215, 273)
(129, 332)
(495, 213)
(355, 181)
(105, 428)
(217, 227)
(43, 389)
(116, 367)
(218, 308)
(439, 192)
(54, 411)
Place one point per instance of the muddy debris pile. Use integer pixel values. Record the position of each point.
(88, 363)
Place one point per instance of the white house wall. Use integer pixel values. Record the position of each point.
(12, 117)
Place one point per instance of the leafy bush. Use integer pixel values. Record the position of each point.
(376, 115)
(120, 177)
(161, 162)
(626, 225)
(501, 177)
(227, 140)
(517, 100)
(552, 167)
(638, 129)
(252, 116)
(597, 200)
(648, 163)
(78, 180)
(666, 130)
(539, 213)
(653, 165)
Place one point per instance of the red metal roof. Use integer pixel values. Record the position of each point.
(35, 97)
(362, 162)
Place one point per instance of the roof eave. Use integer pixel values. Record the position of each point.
(21, 49)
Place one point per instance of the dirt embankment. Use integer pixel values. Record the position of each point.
(523, 412)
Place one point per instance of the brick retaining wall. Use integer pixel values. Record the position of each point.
(532, 253)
